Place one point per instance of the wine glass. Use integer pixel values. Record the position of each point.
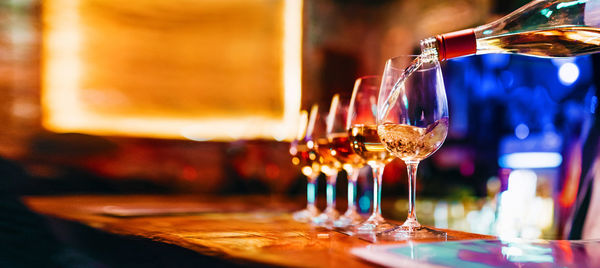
(306, 158)
(330, 166)
(337, 134)
(412, 124)
(362, 132)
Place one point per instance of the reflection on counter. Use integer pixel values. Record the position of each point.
(485, 253)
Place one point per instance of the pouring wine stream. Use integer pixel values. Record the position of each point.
(398, 86)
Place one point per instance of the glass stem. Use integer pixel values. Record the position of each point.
(377, 179)
(352, 179)
(331, 179)
(411, 219)
(311, 191)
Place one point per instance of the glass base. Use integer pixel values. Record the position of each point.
(403, 232)
(306, 215)
(351, 217)
(327, 218)
(374, 225)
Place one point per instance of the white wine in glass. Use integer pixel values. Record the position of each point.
(362, 132)
(330, 166)
(304, 156)
(412, 125)
(339, 144)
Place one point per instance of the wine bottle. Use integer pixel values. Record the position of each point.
(543, 28)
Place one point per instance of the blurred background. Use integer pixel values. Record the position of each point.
(186, 96)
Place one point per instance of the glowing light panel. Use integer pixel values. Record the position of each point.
(106, 73)
(530, 160)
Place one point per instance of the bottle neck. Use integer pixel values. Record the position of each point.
(430, 49)
(450, 45)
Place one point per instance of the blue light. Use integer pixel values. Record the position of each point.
(486, 32)
(330, 191)
(351, 193)
(521, 131)
(508, 78)
(496, 61)
(568, 73)
(530, 160)
(310, 192)
(364, 203)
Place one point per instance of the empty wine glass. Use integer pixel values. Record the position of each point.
(412, 124)
(306, 158)
(362, 132)
(337, 134)
(330, 166)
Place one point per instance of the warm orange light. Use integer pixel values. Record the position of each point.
(168, 68)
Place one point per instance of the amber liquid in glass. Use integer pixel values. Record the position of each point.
(326, 158)
(365, 142)
(342, 151)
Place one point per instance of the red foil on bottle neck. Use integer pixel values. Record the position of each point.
(456, 44)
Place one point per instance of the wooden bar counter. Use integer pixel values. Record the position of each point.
(240, 230)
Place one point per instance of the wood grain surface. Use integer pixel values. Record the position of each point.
(258, 230)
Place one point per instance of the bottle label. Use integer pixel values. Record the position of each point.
(456, 44)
